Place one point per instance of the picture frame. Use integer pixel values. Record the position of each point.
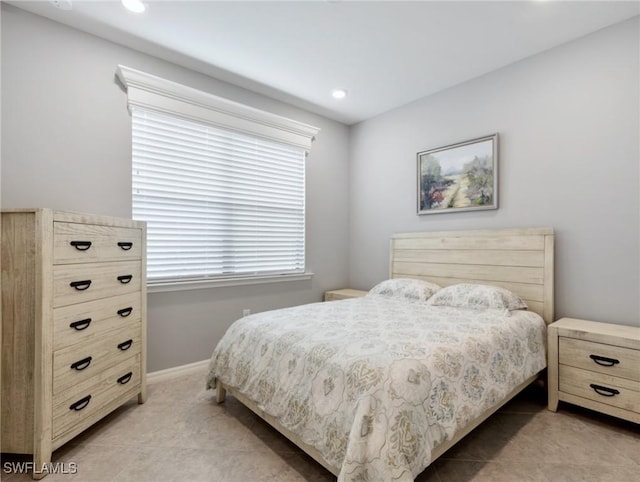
(459, 177)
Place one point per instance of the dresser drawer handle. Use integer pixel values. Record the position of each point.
(604, 361)
(124, 379)
(81, 285)
(81, 364)
(124, 312)
(125, 245)
(604, 391)
(125, 345)
(80, 245)
(80, 404)
(125, 278)
(80, 324)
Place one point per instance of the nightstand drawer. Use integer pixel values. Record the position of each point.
(617, 392)
(86, 243)
(343, 294)
(598, 357)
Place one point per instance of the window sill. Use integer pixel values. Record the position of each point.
(165, 286)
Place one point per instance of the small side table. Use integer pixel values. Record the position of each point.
(595, 365)
(343, 294)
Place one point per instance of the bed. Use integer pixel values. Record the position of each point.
(376, 388)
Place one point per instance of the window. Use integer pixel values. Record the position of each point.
(220, 202)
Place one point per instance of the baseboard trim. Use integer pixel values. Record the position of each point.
(173, 372)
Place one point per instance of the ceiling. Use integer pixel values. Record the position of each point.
(384, 53)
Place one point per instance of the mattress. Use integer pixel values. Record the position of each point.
(376, 383)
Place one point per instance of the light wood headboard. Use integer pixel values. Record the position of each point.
(520, 260)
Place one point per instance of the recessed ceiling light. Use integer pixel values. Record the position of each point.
(339, 93)
(135, 6)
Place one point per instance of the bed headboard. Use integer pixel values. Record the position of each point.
(520, 260)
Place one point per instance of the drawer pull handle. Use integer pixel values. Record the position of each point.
(124, 312)
(125, 345)
(125, 245)
(124, 379)
(80, 245)
(125, 278)
(604, 361)
(80, 324)
(604, 391)
(81, 364)
(80, 404)
(81, 285)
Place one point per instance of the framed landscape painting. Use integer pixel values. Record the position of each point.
(459, 177)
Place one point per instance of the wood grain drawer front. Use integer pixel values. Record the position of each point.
(85, 243)
(615, 391)
(343, 294)
(84, 322)
(70, 409)
(333, 297)
(77, 283)
(78, 363)
(598, 357)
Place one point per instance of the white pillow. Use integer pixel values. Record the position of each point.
(411, 289)
(479, 297)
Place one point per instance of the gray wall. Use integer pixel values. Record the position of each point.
(67, 145)
(568, 121)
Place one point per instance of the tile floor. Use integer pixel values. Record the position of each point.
(181, 435)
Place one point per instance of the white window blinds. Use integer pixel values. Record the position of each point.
(218, 204)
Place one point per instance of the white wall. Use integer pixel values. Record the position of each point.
(67, 145)
(569, 122)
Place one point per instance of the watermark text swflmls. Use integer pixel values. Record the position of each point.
(49, 468)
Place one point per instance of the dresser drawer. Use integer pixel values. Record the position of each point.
(598, 357)
(617, 392)
(77, 283)
(85, 243)
(84, 322)
(77, 363)
(82, 402)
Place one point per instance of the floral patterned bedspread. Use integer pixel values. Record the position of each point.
(375, 383)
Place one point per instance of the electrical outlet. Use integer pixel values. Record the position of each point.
(246, 312)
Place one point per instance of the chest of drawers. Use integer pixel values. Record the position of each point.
(595, 365)
(73, 325)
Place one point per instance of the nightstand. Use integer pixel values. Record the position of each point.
(343, 294)
(595, 365)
